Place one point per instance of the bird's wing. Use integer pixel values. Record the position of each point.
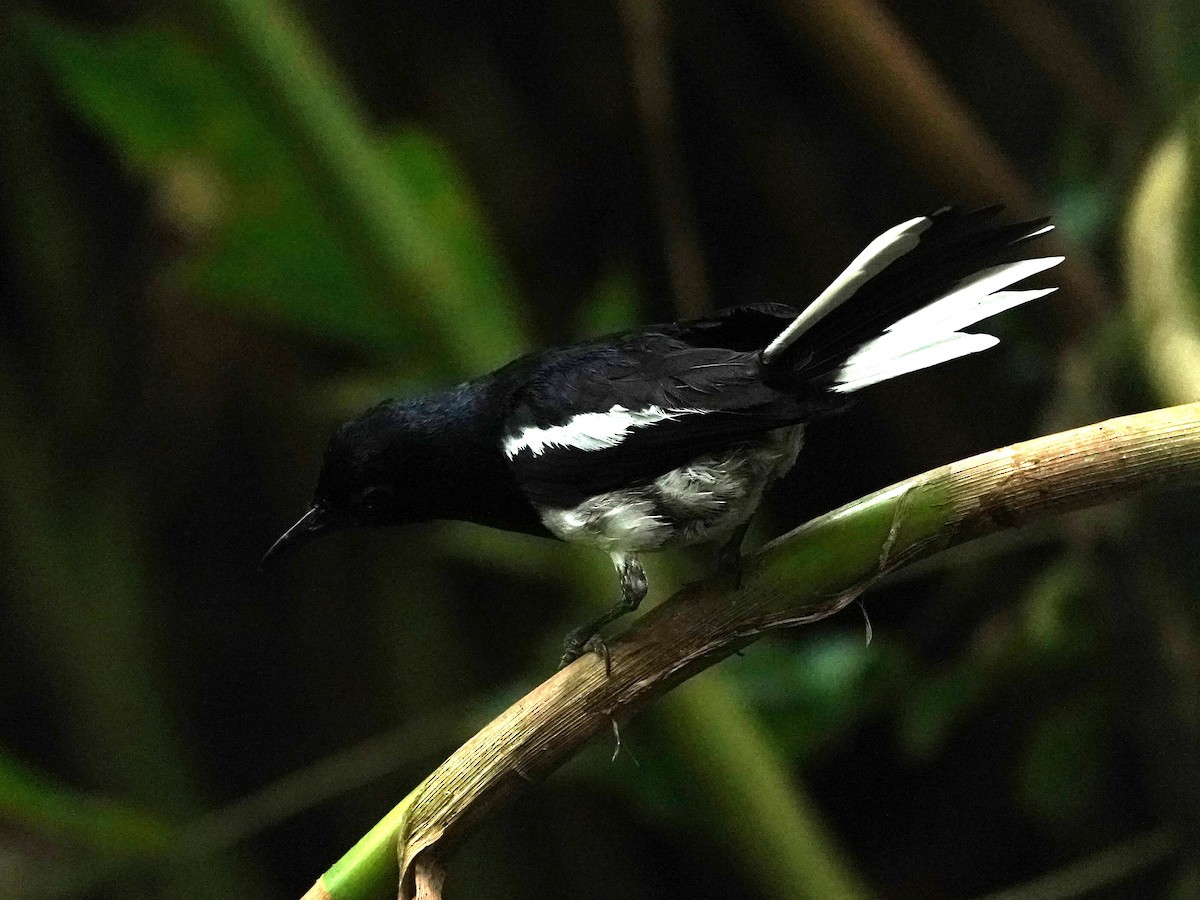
(599, 417)
(746, 328)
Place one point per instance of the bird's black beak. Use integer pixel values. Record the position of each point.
(314, 523)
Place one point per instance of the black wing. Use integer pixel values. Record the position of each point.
(692, 392)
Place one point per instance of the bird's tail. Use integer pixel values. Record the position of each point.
(902, 303)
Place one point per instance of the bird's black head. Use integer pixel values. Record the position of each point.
(376, 472)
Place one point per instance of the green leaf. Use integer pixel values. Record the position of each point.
(939, 705)
(1052, 627)
(1162, 266)
(33, 802)
(814, 693)
(260, 240)
(1061, 767)
(176, 117)
(474, 301)
(613, 305)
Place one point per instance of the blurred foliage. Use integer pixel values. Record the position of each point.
(218, 242)
(261, 241)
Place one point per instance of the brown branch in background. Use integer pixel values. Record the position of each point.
(803, 577)
(893, 81)
(1050, 41)
(646, 31)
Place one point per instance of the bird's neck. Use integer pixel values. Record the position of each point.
(469, 476)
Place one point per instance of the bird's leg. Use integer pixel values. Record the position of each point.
(729, 556)
(587, 637)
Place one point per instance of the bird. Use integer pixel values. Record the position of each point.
(670, 435)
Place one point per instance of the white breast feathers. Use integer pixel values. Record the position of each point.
(701, 502)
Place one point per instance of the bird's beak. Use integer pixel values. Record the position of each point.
(314, 523)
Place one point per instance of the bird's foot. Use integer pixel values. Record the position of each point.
(596, 645)
(586, 638)
(729, 557)
(576, 645)
(729, 566)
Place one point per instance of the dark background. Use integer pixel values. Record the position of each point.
(203, 273)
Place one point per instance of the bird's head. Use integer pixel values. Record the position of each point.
(367, 462)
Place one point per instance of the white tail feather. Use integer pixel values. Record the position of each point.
(871, 364)
(931, 335)
(959, 315)
(978, 297)
(876, 256)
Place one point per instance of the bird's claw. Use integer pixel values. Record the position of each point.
(597, 645)
(570, 654)
(729, 566)
(575, 647)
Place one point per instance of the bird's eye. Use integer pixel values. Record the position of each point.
(374, 499)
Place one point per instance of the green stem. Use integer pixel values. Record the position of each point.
(759, 810)
(374, 207)
(33, 802)
(763, 812)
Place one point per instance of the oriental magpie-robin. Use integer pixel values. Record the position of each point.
(669, 435)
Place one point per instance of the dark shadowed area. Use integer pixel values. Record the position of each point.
(227, 226)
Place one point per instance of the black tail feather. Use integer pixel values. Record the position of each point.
(956, 245)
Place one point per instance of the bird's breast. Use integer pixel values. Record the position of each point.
(701, 502)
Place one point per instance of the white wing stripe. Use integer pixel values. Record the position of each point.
(591, 431)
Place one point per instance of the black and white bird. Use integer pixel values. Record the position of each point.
(669, 435)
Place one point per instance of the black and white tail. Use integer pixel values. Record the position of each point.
(901, 305)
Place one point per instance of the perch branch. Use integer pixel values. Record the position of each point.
(802, 577)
